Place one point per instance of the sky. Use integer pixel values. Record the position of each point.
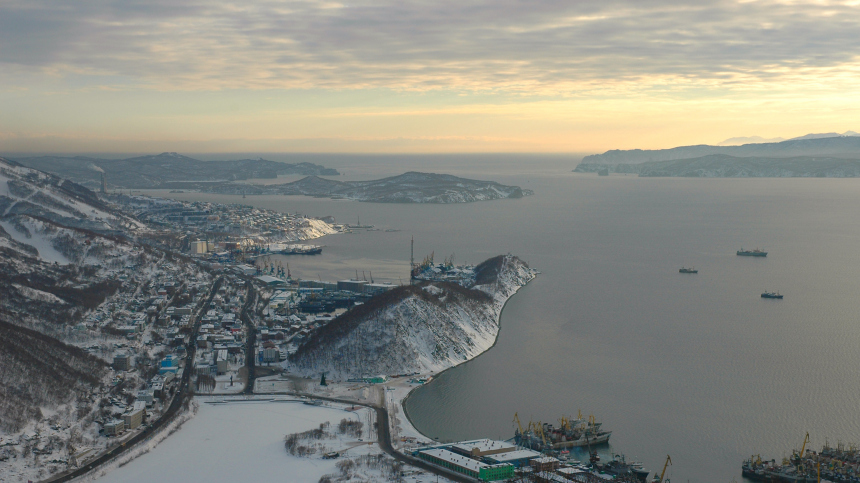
(380, 76)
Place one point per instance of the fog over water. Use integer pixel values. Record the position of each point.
(695, 366)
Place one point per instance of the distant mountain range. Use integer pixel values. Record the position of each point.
(813, 155)
(758, 139)
(162, 170)
(411, 187)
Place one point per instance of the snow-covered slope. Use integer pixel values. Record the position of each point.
(39, 211)
(422, 328)
(27, 191)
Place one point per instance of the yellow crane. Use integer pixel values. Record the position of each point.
(519, 425)
(802, 448)
(663, 474)
(539, 427)
(565, 424)
(798, 457)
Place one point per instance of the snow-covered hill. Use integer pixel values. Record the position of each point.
(421, 328)
(29, 192)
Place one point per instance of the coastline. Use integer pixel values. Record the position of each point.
(399, 404)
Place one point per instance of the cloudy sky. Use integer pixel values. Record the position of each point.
(422, 76)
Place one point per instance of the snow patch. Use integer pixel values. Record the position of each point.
(37, 240)
(34, 294)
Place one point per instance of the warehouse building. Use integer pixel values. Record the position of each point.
(518, 458)
(482, 447)
(466, 466)
(356, 286)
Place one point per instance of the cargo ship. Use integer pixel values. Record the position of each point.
(771, 295)
(300, 250)
(620, 470)
(839, 464)
(688, 270)
(752, 253)
(570, 433)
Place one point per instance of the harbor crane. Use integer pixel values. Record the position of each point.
(803, 447)
(661, 479)
(539, 427)
(798, 457)
(593, 457)
(519, 425)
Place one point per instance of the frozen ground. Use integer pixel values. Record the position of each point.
(403, 435)
(244, 441)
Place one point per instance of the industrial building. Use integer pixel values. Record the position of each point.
(356, 286)
(482, 447)
(483, 459)
(518, 458)
(271, 281)
(467, 466)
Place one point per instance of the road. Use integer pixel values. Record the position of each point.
(182, 395)
(384, 438)
(250, 338)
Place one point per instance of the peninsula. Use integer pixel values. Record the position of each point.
(410, 187)
(805, 157)
(165, 170)
(423, 328)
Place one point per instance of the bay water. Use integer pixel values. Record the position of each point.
(696, 366)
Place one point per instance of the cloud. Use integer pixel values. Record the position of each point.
(525, 47)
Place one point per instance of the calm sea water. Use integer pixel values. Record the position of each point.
(695, 366)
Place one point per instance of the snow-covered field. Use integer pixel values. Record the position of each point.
(244, 441)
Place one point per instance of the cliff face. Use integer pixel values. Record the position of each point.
(421, 328)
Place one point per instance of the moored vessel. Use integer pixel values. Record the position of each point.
(571, 433)
(752, 253)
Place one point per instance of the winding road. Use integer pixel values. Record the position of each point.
(182, 396)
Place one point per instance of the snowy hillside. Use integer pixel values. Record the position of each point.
(32, 193)
(422, 328)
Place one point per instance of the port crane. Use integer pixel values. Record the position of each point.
(802, 448)
(593, 457)
(798, 457)
(661, 479)
(519, 425)
(539, 427)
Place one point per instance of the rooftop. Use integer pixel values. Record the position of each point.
(454, 458)
(484, 445)
(514, 455)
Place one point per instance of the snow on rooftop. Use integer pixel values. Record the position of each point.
(483, 445)
(514, 455)
(454, 458)
(546, 459)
